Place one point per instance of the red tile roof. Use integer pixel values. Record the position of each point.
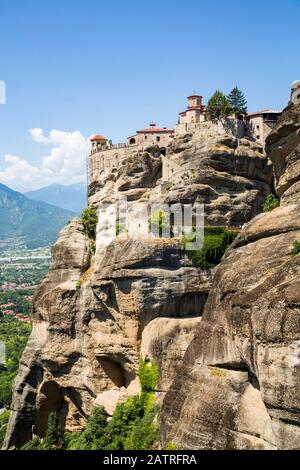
(154, 129)
(98, 137)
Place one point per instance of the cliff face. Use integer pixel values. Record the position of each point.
(135, 179)
(135, 298)
(86, 342)
(239, 385)
(231, 178)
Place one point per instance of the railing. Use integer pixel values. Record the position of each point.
(119, 146)
(112, 147)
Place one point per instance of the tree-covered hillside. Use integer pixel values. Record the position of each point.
(31, 223)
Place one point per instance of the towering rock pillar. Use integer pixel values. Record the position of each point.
(239, 387)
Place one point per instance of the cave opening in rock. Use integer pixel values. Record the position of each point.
(50, 400)
(114, 371)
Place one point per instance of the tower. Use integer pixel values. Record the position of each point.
(194, 102)
(195, 112)
(99, 143)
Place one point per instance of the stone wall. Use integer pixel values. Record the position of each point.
(259, 130)
(148, 139)
(210, 129)
(102, 163)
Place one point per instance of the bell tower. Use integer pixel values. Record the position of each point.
(99, 143)
(194, 101)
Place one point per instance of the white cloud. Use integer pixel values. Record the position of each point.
(38, 136)
(18, 171)
(64, 162)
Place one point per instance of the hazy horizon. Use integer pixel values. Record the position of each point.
(113, 68)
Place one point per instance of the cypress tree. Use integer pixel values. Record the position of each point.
(237, 101)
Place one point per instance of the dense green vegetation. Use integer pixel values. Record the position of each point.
(221, 106)
(89, 219)
(55, 439)
(32, 223)
(218, 107)
(14, 335)
(296, 248)
(120, 228)
(23, 267)
(132, 427)
(4, 417)
(216, 241)
(172, 446)
(271, 203)
(158, 223)
(19, 300)
(31, 276)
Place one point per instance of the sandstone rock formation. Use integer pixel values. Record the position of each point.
(283, 147)
(239, 386)
(86, 341)
(138, 174)
(95, 315)
(231, 178)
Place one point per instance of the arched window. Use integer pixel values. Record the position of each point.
(132, 141)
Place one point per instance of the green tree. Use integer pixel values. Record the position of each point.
(54, 439)
(237, 101)
(94, 436)
(296, 248)
(4, 418)
(143, 434)
(89, 219)
(271, 203)
(35, 444)
(218, 107)
(158, 223)
(148, 375)
(14, 335)
(120, 228)
(133, 425)
(216, 242)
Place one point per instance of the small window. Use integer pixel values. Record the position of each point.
(157, 139)
(258, 127)
(146, 137)
(258, 137)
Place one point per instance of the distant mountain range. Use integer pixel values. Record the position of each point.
(24, 222)
(72, 198)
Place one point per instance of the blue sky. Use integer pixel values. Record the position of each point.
(73, 68)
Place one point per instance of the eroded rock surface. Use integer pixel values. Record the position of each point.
(239, 387)
(87, 340)
(231, 178)
(96, 315)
